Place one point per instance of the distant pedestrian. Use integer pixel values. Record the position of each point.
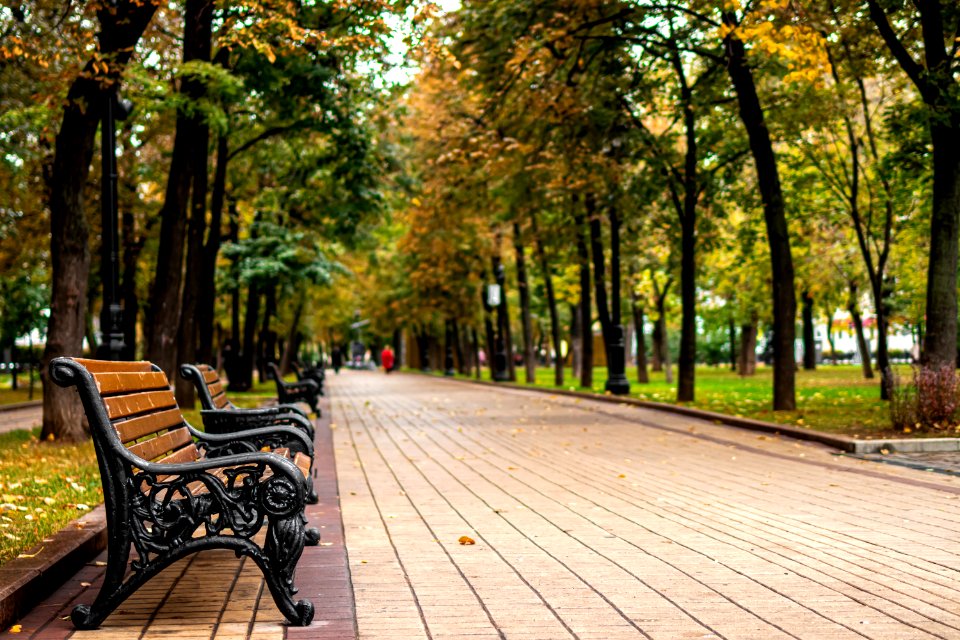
(386, 359)
(336, 359)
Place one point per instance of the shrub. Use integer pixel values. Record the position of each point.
(929, 402)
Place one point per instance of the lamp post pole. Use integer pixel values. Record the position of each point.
(448, 363)
(111, 315)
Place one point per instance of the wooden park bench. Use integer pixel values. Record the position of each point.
(306, 372)
(219, 415)
(170, 490)
(289, 392)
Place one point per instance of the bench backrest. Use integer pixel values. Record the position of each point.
(141, 409)
(210, 388)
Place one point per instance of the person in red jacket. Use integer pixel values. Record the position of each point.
(386, 359)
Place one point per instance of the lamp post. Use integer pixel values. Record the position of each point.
(111, 315)
(448, 369)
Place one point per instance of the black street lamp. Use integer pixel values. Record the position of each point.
(448, 369)
(617, 382)
(111, 315)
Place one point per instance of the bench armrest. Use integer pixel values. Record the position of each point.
(253, 440)
(279, 409)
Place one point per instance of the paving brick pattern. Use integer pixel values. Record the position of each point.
(603, 521)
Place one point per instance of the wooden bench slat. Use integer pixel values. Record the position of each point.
(210, 374)
(215, 387)
(186, 454)
(134, 403)
(156, 447)
(220, 400)
(128, 382)
(101, 366)
(140, 426)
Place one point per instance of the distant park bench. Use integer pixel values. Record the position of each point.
(306, 391)
(170, 490)
(220, 415)
(315, 373)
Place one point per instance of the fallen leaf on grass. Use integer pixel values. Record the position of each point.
(466, 540)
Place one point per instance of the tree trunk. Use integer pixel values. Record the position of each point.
(656, 354)
(768, 181)
(576, 342)
(167, 296)
(208, 274)
(463, 367)
(267, 341)
(862, 345)
(940, 341)
(687, 362)
(599, 271)
(809, 339)
(248, 354)
(529, 362)
(748, 348)
(586, 321)
(664, 346)
(833, 348)
(732, 330)
(642, 376)
(187, 337)
(475, 346)
(937, 84)
(120, 30)
(661, 342)
(503, 312)
(290, 352)
(555, 329)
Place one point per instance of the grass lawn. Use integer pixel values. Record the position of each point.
(45, 485)
(834, 399)
(22, 394)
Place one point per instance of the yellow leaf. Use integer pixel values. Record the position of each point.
(466, 540)
(15, 628)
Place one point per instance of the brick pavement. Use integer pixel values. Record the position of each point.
(602, 521)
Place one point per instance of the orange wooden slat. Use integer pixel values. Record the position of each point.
(215, 388)
(101, 366)
(220, 401)
(155, 447)
(134, 403)
(210, 375)
(109, 383)
(150, 423)
(303, 463)
(186, 454)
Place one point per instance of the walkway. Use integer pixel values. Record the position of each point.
(600, 521)
(20, 418)
(591, 521)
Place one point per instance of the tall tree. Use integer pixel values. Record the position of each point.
(926, 49)
(121, 27)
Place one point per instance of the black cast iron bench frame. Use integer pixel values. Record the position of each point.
(170, 490)
(306, 391)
